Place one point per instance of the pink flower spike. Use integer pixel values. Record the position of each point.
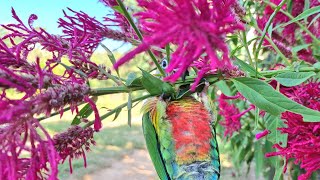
(194, 27)
(262, 134)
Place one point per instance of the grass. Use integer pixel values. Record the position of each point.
(112, 143)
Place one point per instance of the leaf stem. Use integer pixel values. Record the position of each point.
(264, 32)
(114, 90)
(244, 40)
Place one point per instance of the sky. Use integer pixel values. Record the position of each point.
(49, 11)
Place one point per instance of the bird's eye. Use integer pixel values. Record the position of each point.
(164, 63)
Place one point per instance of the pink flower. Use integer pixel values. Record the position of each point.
(231, 114)
(303, 137)
(262, 134)
(109, 3)
(288, 37)
(56, 97)
(119, 20)
(82, 35)
(195, 27)
(24, 153)
(73, 143)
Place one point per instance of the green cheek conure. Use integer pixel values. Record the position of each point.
(181, 139)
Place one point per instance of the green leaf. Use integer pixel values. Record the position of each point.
(296, 49)
(306, 5)
(133, 80)
(290, 79)
(278, 173)
(265, 97)
(247, 68)
(154, 85)
(270, 29)
(272, 124)
(222, 85)
(84, 113)
(314, 20)
(317, 65)
(117, 112)
(111, 56)
(118, 9)
(303, 15)
(82, 74)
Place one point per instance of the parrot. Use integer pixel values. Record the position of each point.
(180, 136)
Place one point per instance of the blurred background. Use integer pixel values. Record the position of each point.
(120, 151)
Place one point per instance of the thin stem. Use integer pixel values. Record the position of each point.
(244, 40)
(297, 22)
(114, 90)
(263, 34)
(168, 52)
(275, 47)
(275, 72)
(135, 28)
(117, 108)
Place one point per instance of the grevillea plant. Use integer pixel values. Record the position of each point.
(259, 58)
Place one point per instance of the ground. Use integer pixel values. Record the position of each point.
(137, 166)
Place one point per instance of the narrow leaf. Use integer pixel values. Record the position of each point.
(110, 55)
(118, 9)
(224, 88)
(82, 74)
(133, 80)
(299, 48)
(290, 79)
(314, 20)
(317, 65)
(265, 97)
(278, 173)
(117, 112)
(154, 85)
(303, 15)
(85, 112)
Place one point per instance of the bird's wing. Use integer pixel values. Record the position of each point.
(153, 146)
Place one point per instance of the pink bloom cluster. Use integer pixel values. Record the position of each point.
(303, 137)
(195, 28)
(73, 143)
(24, 153)
(119, 20)
(231, 114)
(288, 37)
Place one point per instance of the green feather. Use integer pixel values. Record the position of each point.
(153, 146)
